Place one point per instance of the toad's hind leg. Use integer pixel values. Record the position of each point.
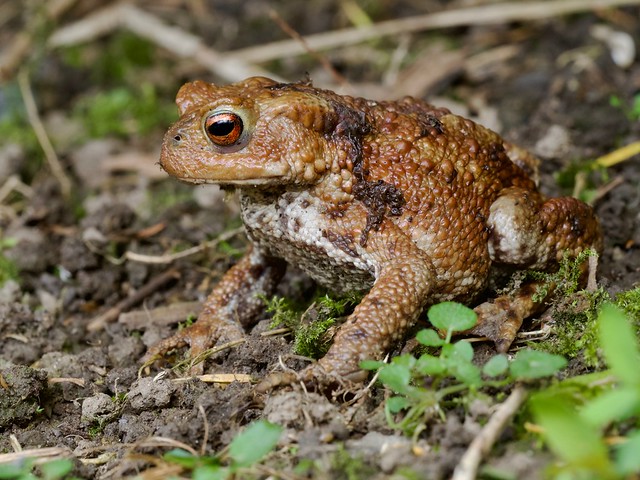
(531, 233)
(233, 304)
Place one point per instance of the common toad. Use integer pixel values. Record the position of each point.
(401, 199)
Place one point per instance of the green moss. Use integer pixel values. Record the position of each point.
(310, 324)
(116, 60)
(124, 111)
(565, 281)
(574, 310)
(576, 329)
(629, 301)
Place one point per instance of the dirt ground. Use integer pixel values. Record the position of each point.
(70, 348)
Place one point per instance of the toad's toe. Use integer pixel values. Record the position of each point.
(200, 337)
(497, 322)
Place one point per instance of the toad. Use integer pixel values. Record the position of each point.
(401, 199)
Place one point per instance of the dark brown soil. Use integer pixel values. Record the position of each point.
(552, 94)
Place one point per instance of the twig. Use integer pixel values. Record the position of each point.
(606, 188)
(165, 315)
(481, 15)
(293, 33)
(14, 183)
(205, 436)
(41, 134)
(179, 42)
(217, 378)
(164, 442)
(76, 381)
(111, 315)
(168, 258)
(619, 155)
(40, 453)
(481, 445)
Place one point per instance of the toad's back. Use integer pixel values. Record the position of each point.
(432, 174)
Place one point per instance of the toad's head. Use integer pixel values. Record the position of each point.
(259, 132)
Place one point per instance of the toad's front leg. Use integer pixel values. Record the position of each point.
(234, 299)
(404, 282)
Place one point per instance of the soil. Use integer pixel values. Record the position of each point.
(546, 85)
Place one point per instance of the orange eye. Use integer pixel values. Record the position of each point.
(224, 128)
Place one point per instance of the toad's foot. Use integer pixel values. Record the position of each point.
(200, 337)
(232, 306)
(501, 319)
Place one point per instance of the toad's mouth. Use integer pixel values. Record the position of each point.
(239, 182)
(232, 171)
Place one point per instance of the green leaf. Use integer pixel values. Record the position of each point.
(462, 351)
(619, 344)
(429, 337)
(371, 364)
(529, 364)
(496, 366)
(396, 377)
(181, 457)
(258, 439)
(452, 316)
(569, 436)
(405, 360)
(617, 404)
(395, 404)
(468, 373)
(13, 471)
(457, 359)
(430, 365)
(626, 455)
(56, 468)
(211, 472)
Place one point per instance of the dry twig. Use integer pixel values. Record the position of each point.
(481, 15)
(14, 184)
(168, 258)
(42, 454)
(481, 445)
(205, 436)
(111, 315)
(181, 43)
(165, 315)
(41, 134)
(619, 155)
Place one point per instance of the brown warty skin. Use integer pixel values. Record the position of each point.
(401, 199)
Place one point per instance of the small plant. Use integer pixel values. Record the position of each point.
(52, 470)
(243, 453)
(8, 269)
(311, 325)
(575, 420)
(631, 109)
(422, 385)
(124, 111)
(629, 301)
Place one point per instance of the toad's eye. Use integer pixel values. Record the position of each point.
(224, 128)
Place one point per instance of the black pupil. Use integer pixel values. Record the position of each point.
(221, 128)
